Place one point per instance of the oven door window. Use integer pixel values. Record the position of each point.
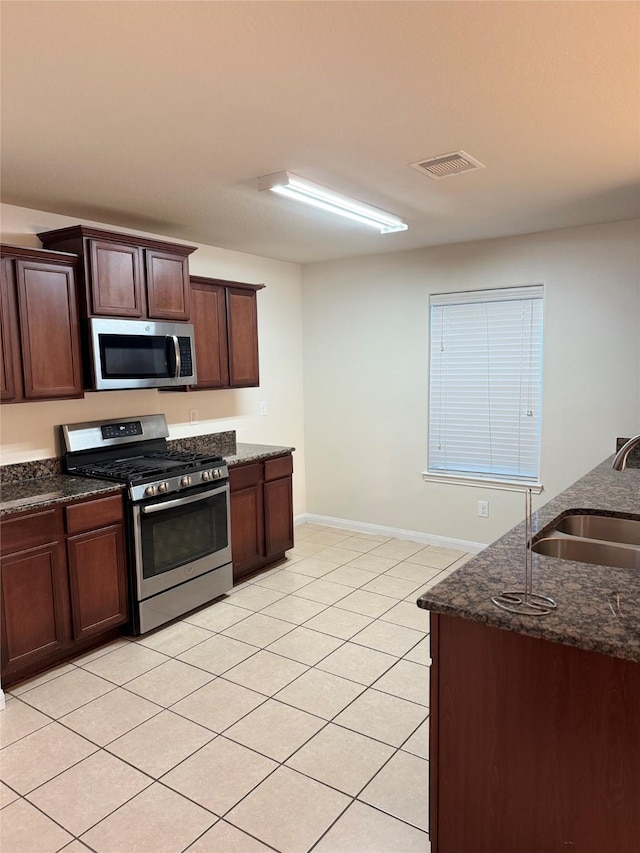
(180, 535)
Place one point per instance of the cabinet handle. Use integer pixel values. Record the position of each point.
(159, 507)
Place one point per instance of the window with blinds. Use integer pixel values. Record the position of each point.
(485, 384)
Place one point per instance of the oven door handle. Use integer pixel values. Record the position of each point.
(147, 510)
(176, 352)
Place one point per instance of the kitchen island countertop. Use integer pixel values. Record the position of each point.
(583, 592)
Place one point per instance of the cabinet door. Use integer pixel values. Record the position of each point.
(116, 279)
(210, 329)
(278, 516)
(10, 378)
(48, 330)
(242, 325)
(35, 606)
(97, 580)
(167, 285)
(247, 530)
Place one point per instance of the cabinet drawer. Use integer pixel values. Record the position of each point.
(244, 476)
(280, 467)
(27, 531)
(93, 514)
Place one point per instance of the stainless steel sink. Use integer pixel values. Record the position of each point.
(584, 550)
(603, 527)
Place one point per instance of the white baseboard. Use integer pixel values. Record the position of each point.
(391, 532)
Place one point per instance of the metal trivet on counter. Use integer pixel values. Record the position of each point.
(525, 601)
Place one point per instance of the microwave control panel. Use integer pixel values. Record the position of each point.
(186, 365)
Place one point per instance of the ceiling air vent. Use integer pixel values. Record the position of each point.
(447, 164)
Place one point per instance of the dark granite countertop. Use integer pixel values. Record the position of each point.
(31, 485)
(582, 591)
(255, 452)
(53, 489)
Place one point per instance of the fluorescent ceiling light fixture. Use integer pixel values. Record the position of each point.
(291, 186)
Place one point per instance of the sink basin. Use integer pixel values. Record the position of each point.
(604, 527)
(589, 551)
(593, 537)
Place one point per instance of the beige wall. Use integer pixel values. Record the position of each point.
(28, 431)
(366, 369)
(361, 438)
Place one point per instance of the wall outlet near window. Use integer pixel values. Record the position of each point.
(483, 509)
(263, 407)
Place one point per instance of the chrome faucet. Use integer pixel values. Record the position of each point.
(620, 461)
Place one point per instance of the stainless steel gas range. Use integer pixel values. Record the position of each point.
(179, 543)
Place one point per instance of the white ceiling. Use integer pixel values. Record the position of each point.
(160, 116)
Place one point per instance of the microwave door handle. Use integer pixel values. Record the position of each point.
(147, 510)
(176, 352)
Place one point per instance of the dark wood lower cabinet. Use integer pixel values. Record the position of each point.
(35, 608)
(63, 583)
(534, 746)
(97, 579)
(247, 528)
(278, 507)
(261, 514)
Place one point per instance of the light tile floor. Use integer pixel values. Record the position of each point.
(292, 716)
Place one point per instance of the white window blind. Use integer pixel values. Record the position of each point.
(485, 386)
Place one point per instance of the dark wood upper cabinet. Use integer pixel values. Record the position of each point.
(125, 275)
(166, 271)
(41, 342)
(242, 330)
(48, 330)
(10, 373)
(115, 279)
(225, 321)
(208, 302)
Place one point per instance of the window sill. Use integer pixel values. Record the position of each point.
(482, 482)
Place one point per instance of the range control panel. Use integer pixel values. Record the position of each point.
(122, 429)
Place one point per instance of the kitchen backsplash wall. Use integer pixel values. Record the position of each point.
(20, 471)
(221, 443)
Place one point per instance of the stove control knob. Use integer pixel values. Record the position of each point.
(207, 475)
(217, 474)
(150, 491)
(185, 481)
(163, 487)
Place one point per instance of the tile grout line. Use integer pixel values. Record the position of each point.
(394, 601)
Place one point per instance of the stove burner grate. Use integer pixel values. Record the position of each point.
(149, 466)
(189, 457)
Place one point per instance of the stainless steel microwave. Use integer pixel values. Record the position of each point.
(139, 354)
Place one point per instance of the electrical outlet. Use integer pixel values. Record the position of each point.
(483, 509)
(193, 416)
(263, 407)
